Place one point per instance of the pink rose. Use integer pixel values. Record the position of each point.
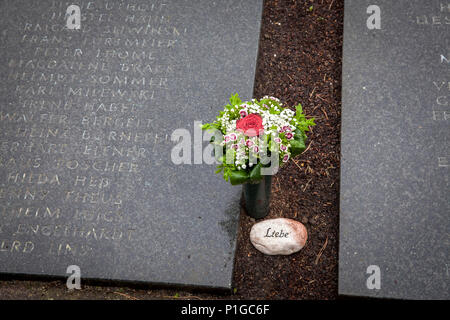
(251, 125)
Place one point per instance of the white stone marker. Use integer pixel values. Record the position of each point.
(278, 236)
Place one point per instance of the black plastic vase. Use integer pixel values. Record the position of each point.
(257, 197)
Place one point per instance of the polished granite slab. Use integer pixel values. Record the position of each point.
(87, 116)
(394, 211)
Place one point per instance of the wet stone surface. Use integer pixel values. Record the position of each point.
(86, 176)
(395, 151)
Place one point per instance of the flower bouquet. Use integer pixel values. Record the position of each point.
(252, 138)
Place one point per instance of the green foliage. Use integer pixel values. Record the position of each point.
(239, 177)
(297, 146)
(301, 122)
(255, 172)
(235, 100)
(211, 126)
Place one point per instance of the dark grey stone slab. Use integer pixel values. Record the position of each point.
(395, 150)
(86, 119)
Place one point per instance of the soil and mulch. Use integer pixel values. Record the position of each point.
(299, 61)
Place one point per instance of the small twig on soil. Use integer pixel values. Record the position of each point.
(329, 8)
(306, 185)
(318, 96)
(126, 295)
(297, 164)
(321, 251)
(312, 92)
(326, 116)
(308, 147)
(312, 112)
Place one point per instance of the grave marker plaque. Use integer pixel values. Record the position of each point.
(395, 150)
(86, 117)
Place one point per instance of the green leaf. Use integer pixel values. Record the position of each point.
(297, 147)
(298, 109)
(255, 173)
(226, 173)
(210, 126)
(310, 122)
(274, 111)
(235, 100)
(238, 177)
(219, 168)
(300, 135)
(206, 126)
